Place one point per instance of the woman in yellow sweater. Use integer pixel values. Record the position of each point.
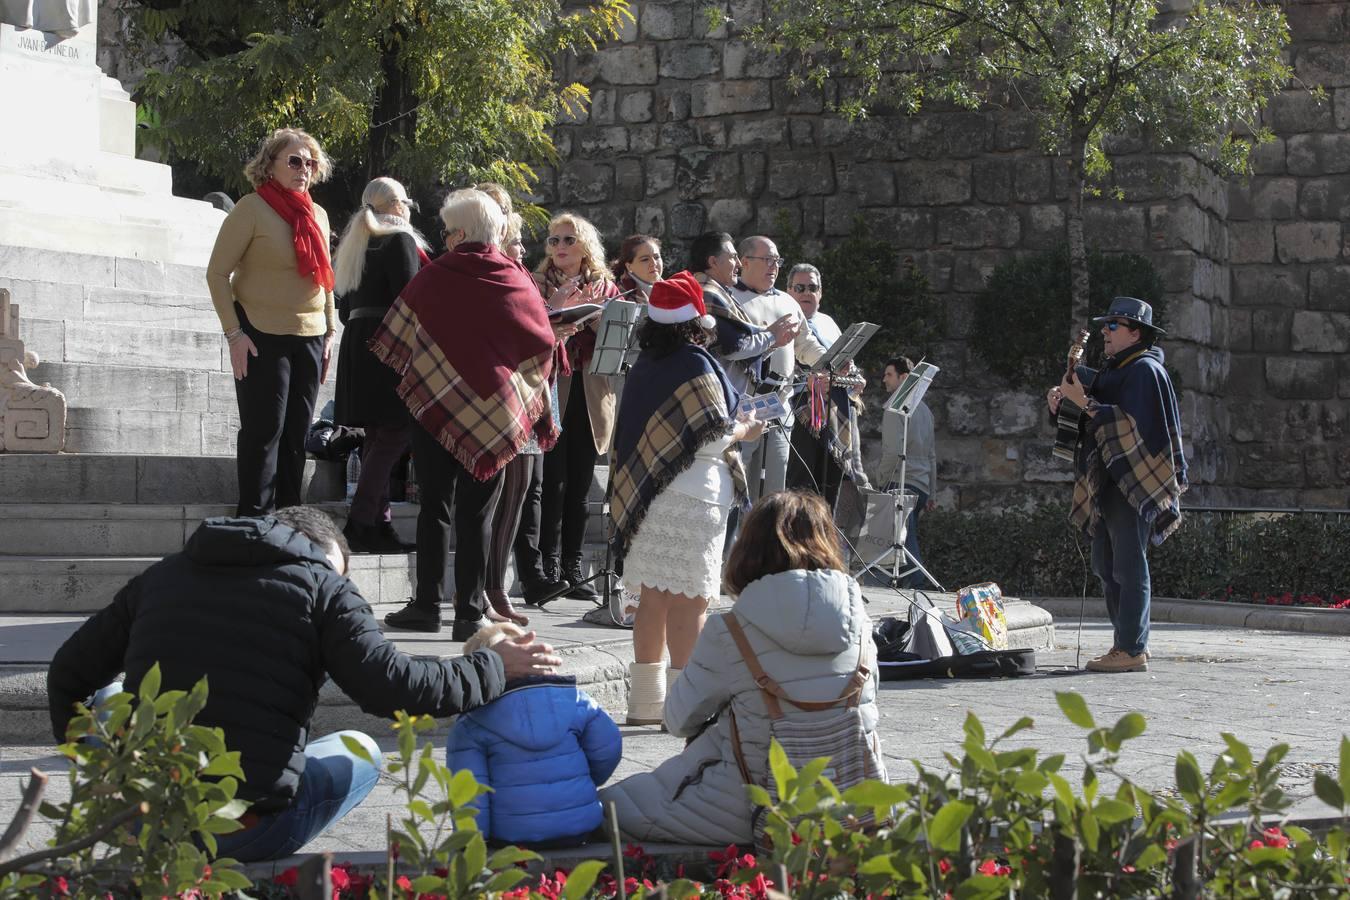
(271, 282)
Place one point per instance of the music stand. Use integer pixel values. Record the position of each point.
(613, 337)
(845, 349)
(902, 403)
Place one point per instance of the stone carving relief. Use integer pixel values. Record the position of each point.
(32, 416)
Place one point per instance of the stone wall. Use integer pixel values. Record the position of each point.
(692, 129)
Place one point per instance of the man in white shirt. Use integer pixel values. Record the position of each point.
(763, 304)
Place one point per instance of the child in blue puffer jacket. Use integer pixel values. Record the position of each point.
(543, 746)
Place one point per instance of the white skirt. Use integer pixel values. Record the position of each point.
(678, 548)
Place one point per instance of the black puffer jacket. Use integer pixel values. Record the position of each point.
(257, 608)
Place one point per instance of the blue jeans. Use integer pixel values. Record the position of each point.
(1119, 559)
(914, 579)
(333, 784)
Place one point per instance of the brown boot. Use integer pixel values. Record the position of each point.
(1119, 661)
(501, 610)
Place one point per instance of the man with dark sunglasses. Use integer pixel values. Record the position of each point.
(1130, 469)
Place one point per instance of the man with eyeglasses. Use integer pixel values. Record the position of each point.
(764, 304)
(811, 466)
(1130, 469)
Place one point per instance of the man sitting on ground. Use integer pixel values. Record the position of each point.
(261, 608)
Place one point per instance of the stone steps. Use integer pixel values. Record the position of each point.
(125, 529)
(125, 478)
(64, 300)
(98, 271)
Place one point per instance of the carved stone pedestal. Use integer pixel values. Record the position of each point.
(32, 416)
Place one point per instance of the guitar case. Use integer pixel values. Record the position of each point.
(927, 648)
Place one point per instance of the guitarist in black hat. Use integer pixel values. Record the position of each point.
(1129, 467)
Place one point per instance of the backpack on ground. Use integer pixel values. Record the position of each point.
(836, 730)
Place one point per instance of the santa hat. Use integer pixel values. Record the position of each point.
(678, 299)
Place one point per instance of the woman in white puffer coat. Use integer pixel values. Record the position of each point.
(805, 620)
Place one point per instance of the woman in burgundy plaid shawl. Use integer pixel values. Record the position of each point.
(475, 350)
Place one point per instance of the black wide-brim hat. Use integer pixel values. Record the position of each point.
(1135, 310)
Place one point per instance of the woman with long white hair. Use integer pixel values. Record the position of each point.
(378, 255)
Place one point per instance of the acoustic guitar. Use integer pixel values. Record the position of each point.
(1068, 421)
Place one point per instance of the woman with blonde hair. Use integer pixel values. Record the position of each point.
(573, 271)
(271, 282)
(378, 255)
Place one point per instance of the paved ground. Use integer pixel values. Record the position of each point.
(1266, 687)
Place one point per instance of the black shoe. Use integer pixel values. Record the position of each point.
(415, 617)
(463, 630)
(539, 593)
(572, 574)
(389, 538)
(357, 537)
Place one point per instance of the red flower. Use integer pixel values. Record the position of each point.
(994, 867)
(287, 878)
(403, 883)
(340, 878)
(1255, 845)
(1275, 837)
(634, 851)
(59, 886)
(943, 866)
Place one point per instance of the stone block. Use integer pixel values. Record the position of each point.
(1319, 332)
(1269, 286)
(601, 142)
(1239, 324)
(1039, 463)
(758, 133)
(1270, 465)
(1043, 226)
(602, 107)
(635, 64)
(937, 266)
(1190, 319)
(902, 227)
(746, 13)
(977, 460)
(776, 219)
(706, 173)
(154, 275)
(967, 414)
(723, 98)
(650, 220)
(1156, 177)
(1114, 227)
(971, 269)
(1335, 416)
(1327, 65)
(37, 265)
(1272, 198)
(677, 105)
(1298, 110)
(666, 21)
(934, 183)
(629, 182)
(974, 227)
(131, 345)
(1341, 106)
(793, 177)
(1034, 180)
(1307, 241)
(1015, 412)
(1325, 198)
(1329, 288)
(953, 135)
(1013, 130)
(1318, 154)
(741, 59)
(610, 218)
(585, 182)
(642, 139)
(754, 172)
(1296, 378)
(802, 133)
(686, 61)
(710, 133)
(1315, 21)
(730, 215)
(994, 179)
(872, 182)
(799, 100)
(1268, 158)
(1251, 242)
(636, 107)
(1270, 330)
(687, 220)
(660, 175)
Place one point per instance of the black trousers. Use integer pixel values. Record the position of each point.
(276, 404)
(811, 467)
(569, 469)
(529, 561)
(444, 484)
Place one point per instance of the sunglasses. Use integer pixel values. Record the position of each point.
(566, 240)
(805, 288)
(300, 162)
(1112, 326)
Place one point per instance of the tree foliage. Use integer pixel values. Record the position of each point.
(1194, 80)
(428, 91)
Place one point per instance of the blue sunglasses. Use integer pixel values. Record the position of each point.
(1112, 326)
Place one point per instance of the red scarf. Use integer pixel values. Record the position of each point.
(311, 248)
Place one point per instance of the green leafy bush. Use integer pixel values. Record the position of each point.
(1212, 555)
(1020, 329)
(145, 785)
